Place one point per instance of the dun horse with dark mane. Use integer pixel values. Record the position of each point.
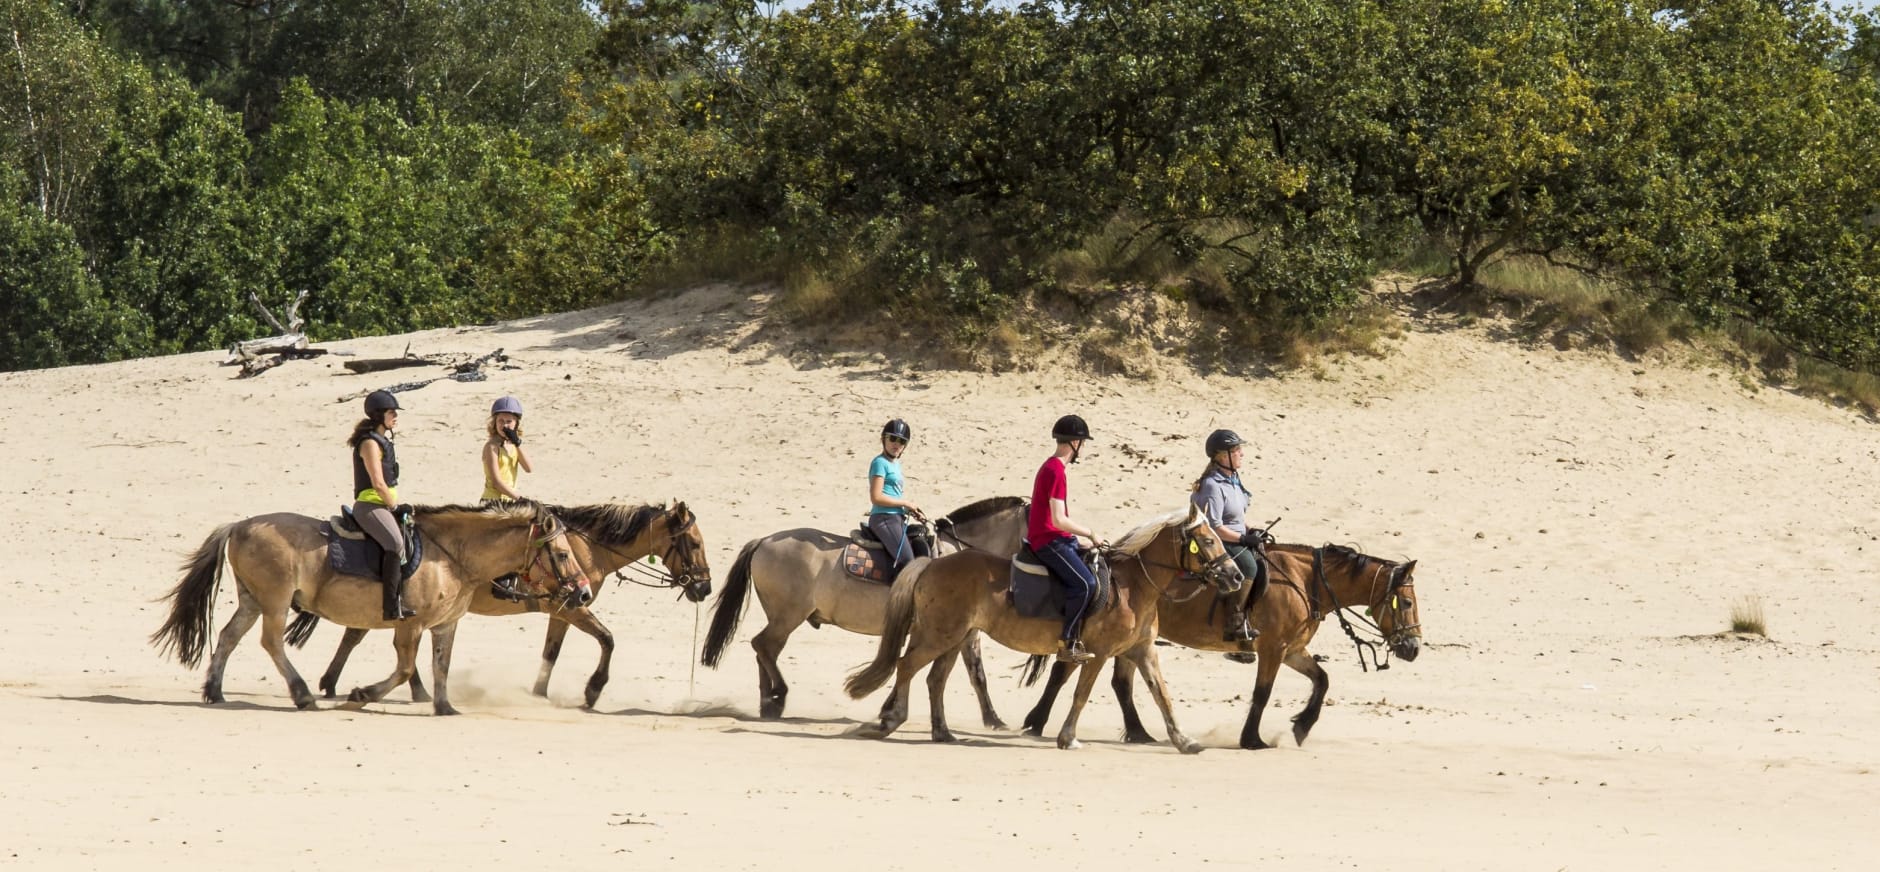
(934, 606)
(604, 538)
(278, 560)
(1307, 585)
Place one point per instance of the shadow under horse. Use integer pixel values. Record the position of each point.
(1306, 584)
(605, 539)
(935, 606)
(798, 577)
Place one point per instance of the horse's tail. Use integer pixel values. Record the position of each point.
(192, 603)
(870, 678)
(1034, 668)
(729, 610)
(301, 628)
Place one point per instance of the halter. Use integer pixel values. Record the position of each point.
(1399, 605)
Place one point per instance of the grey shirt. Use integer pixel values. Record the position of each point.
(1223, 499)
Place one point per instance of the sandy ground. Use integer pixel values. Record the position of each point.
(1583, 525)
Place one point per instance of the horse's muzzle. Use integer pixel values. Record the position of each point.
(697, 591)
(580, 595)
(1406, 648)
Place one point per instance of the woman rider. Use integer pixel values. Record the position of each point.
(1053, 536)
(1223, 499)
(375, 489)
(888, 508)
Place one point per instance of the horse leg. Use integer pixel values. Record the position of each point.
(1086, 679)
(551, 650)
(1302, 663)
(920, 652)
(405, 642)
(976, 673)
(1149, 664)
(246, 611)
(937, 692)
(584, 620)
(442, 640)
(1269, 660)
(273, 632)
(329, 681)
(772, 692)
(1040, 713)
(1122, 683)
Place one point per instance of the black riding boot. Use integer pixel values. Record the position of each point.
(392, 577)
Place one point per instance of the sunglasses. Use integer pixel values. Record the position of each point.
(896, 440)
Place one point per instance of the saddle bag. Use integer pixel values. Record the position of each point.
(1034, 593)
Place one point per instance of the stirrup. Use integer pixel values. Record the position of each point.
(1074, 652)
(503, 587)
(1241, 656)
(1241, 632)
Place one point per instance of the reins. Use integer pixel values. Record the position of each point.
(649, 576)
(1363, 646)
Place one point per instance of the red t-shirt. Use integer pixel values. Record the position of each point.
(1048, 485)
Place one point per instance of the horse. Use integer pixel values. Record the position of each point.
(605, 539)
(280, 559)
(933, 607)
(1306, 583)
(799, 577)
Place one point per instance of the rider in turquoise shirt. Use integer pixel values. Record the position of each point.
(888, 508)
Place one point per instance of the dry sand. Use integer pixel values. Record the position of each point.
(1583, 526)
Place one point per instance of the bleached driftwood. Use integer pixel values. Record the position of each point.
(290, 339)
(467, 371)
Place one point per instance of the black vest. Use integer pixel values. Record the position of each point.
(388, 464)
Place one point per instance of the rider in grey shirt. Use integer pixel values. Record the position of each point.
(1223, 499)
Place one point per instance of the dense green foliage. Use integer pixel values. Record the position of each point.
(429, 163)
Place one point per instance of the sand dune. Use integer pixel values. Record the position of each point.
(1582, 523)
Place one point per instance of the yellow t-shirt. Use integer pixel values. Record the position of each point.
(508, 460)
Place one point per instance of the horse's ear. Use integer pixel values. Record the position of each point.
(1408, 568)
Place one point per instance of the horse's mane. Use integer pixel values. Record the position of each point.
(989, 506)
(1348, 552)
(1135, 540)
(609, 523)
(507, 510)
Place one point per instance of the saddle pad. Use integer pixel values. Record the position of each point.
(867, 563)
(348, 556)
(1036, 593)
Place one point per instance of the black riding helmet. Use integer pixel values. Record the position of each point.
(380, 402)
(897, 427)
(1070, 427)
(1223, 440)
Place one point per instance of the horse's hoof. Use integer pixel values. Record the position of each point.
(945, 737)
(1190, 747)
(1033, 730)
(359, 694)
(446, 710)
(1069, 744)
(1254, 745)
(212, 697)
(1138, 739)
(996, 724)
(305, 704)
(327, 689)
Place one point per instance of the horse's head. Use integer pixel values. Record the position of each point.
(1395, 611)
(685, 553)
(995, 524)
(549, 551)
(1203, 553)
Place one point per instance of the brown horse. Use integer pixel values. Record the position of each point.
(605, 539)
(1306, 584)
(281, 559)
(799, 577)
(934, 606)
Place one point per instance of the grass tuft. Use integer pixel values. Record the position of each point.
(1746, 616)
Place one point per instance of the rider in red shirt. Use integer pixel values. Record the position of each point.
(1055, 538)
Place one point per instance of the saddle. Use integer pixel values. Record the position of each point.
(349, 551)
(1035, 593)
(866, 558)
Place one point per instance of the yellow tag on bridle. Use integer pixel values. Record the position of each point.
(1194, 547)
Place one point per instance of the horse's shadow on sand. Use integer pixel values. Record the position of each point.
(230, 705)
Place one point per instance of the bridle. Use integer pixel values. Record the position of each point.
(570, 589)
(688, 579)
(1215, 571)
(1392, 596)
